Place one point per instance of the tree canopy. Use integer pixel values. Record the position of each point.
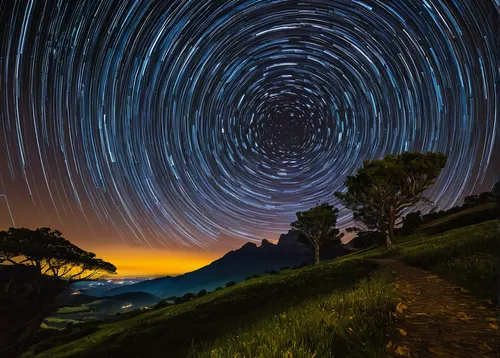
(51, 254)
(496, 191)
(318, 227)
(382, 189)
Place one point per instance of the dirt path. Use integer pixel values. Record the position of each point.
(434, 318)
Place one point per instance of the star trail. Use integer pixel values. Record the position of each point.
(180, 123)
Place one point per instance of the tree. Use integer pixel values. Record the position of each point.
(35, 267)
(352, 229)
(412, 222)
(382, 189)
(496, 195)
(318, 227)
(365, 239)
(471, 199)
(495, 192)
(486, 197)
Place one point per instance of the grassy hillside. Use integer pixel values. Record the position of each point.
(466, 256)
(340, 306)
(175, 329)
(470, 216)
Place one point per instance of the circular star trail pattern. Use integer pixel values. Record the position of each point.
(180, 122)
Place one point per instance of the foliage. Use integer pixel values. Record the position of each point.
(35, 267)
(352, 229)
(202, 293)
(382, 189)
(230, 284)
(188, 297)
(51, 254)
(365, 239)
(318, 227)
(471, 199)
(162, 303)
(411, 223)
(496, 191)
(485, 197)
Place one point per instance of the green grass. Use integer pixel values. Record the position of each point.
(70, 310)
(464, 256)
(344, 323)
(474, 209)
(59, 320)
(176, 329)
(471, 216)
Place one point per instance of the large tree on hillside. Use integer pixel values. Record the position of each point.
(318, 227)
(35, 267)
(382, 189)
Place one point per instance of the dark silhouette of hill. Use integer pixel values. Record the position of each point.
(234, 266)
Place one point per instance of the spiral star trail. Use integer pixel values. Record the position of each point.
(179, 123)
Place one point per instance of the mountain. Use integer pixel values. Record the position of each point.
(234, 266)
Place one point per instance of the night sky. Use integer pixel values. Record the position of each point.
(189, 127)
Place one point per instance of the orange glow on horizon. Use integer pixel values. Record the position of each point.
(143, 261)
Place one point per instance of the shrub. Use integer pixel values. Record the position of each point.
(230, 283)
(202, 293)
(255, 275)
(411, 223)
(162, 303)
(188, 297)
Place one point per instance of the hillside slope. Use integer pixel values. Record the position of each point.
(340, 306)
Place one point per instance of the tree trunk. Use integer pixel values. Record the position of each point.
(26, 298)
(498, 254)
(390, 228)
(316, 254)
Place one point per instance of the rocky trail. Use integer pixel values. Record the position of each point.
(435, 318)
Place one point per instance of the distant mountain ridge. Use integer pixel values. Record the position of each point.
(234, 266)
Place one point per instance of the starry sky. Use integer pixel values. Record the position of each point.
(176, 130)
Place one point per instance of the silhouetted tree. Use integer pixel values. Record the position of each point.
(471, 199)
(188, 297)
(382, 189)
(496, 191)
(352, 229)
(411, 222)
(35, 267)
(485, 197)
(365, 239)
(318, 227)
